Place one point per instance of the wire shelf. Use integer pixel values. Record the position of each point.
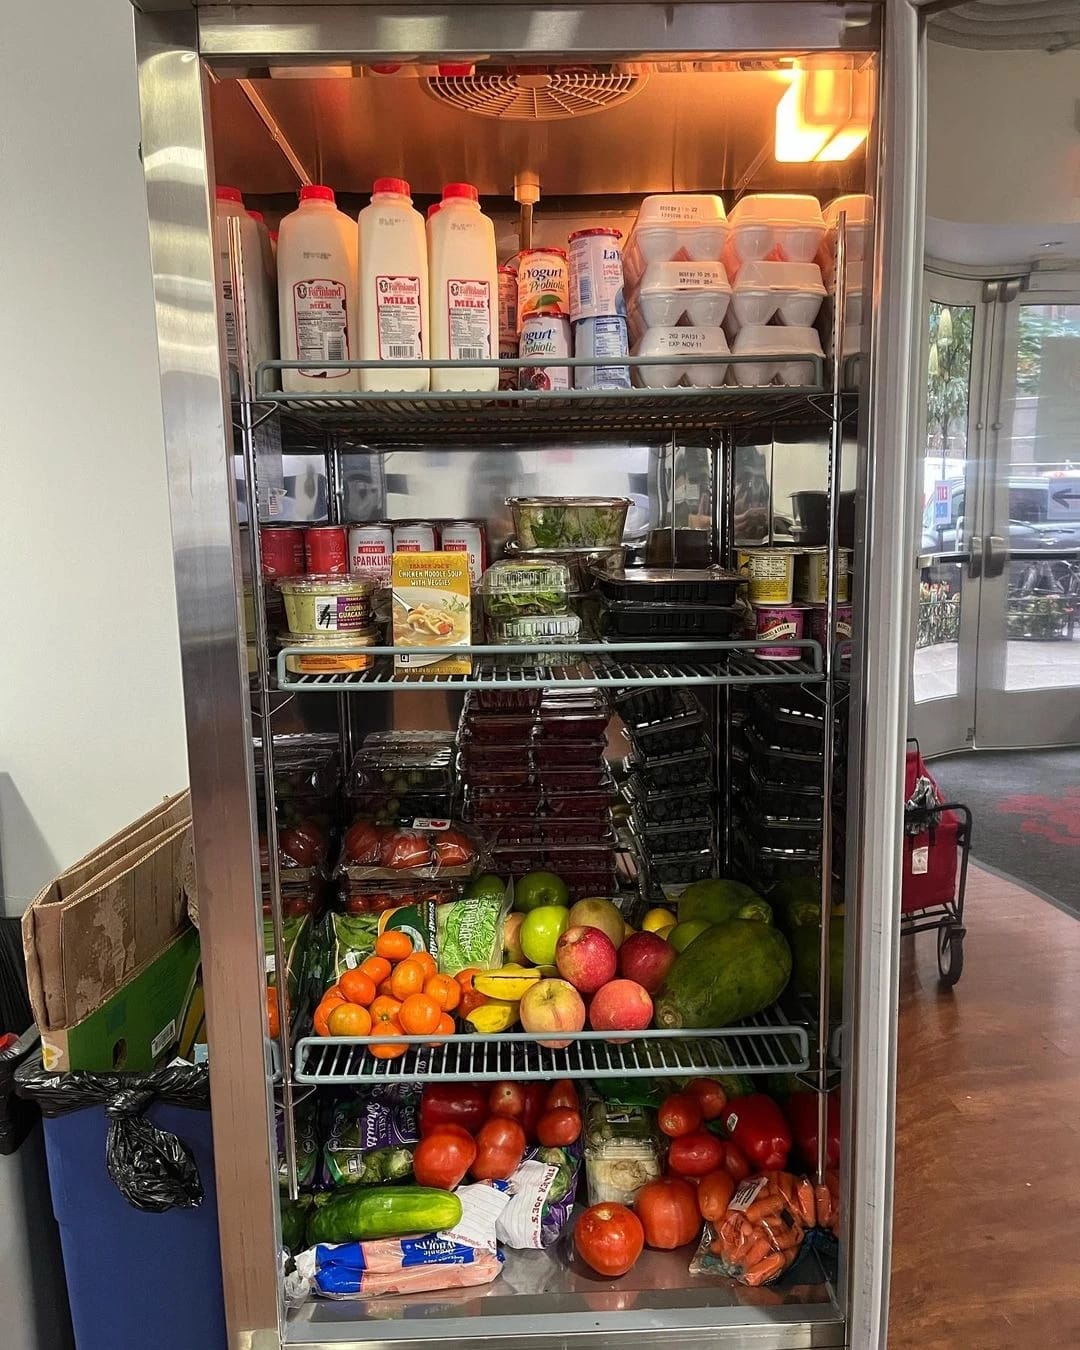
(401, 418)
(623, 665)
(765, 1044)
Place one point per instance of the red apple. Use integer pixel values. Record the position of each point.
(512, 940)
(646, 959)
(621, 1005)
(586, 957)
(552, 1005)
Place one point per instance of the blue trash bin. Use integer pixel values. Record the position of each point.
(136, 1281)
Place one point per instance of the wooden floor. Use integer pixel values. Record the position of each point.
(986, 1245)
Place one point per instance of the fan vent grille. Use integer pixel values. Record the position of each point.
(537, 97)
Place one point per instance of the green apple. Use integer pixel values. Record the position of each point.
(542, 929)
(539, 888)
(684, 933)
(485, 887)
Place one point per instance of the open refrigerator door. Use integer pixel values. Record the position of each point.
(545, 726)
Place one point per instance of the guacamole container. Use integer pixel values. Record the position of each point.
(316, 605)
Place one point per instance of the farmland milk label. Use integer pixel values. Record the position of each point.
(468, 316)
(321, 324)
(397, 307)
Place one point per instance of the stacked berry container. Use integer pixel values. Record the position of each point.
(669, 790)
(536, 784)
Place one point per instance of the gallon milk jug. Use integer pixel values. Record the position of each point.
(317, 294)
(257, 283)
(393, 288)
(464, 290)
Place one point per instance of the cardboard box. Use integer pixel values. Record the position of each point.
(432, 607)
(106, 917)
(157, 1015)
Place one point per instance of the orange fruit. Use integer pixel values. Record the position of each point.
(377, 967)
(444, 990)
(465, 977)
(357, 987)
(333, 991)
(385, 989)
(349, 1019)
(446, 1025)
(273, 1015)
(322, 1014)
(408, 978)
(384, 1011)
(388, 1049)
(427, 961)
(419, 1015)
(470, 999)
(393, 944)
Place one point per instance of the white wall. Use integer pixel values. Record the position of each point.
(1003, 143)
(91, 715)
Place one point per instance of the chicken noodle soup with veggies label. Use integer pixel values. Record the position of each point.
(432, 608)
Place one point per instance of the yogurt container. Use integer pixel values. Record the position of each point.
(508, 320)
(677, 342)
(334, 654)
(771, 575)
(786, 225)
(606, 339)
(543, 283)
(596, 274)
(775, 622)
(816, 628)
(790, 292)
(675, 226)
(315, 605)
(812, 576)
(671, 292)
(544, 336)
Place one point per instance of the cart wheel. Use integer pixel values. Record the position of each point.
(950, 953)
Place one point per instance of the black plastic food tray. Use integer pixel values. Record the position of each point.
(633, 620)
(667, 585)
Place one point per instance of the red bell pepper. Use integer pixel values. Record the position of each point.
(757, 1126)
(802, 1111)
(464, 1104)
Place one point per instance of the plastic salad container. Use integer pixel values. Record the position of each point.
(792, 292)
(662, 806)
(622, 1151)
(535, 629)
(784, 346)
(787, 225)
(671, 292)
(681, 342)
(329, 653)
(673, 225)
(670, 585)
(582, 563)
(406, 761)
(327, 604)
(515, 589)
(858, 211)
(566, 522)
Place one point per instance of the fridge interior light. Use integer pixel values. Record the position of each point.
(822, 115)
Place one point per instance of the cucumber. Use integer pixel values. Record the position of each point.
(734, 969)
(365, 1213)
(720, 899)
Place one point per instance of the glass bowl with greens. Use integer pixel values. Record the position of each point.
(569, 522)
(514, 589)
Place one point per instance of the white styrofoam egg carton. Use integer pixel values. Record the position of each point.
(785, 345)
(675, 226)
(853, 341)
(792, 292)
(783, 225)
(666, 340)
(672, 291)
(858, 211)
(856, 280)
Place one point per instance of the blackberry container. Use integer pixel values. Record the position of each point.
(675, 837)
(680, 869)
(686, 769)
(774, 799)
(667, 806)
(780, 767)
(788, 720)
(662, 721)
(669, 585)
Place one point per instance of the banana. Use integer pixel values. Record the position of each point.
(508, 983)
(489, 1018)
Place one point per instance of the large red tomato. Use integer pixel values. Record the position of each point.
(442, 1159)
(500, 1146)
(679, 1114)
(405, 849)
(668, 1210)
(609, 1238)
(711, 1096)
(453, 849)
(362, 842)
(692, 1155)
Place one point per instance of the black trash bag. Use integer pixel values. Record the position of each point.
(17, 1118)
(152, 1169)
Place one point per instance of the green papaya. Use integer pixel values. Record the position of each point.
(733, 970)
(793, 890)
(720, 899)
(804, 934)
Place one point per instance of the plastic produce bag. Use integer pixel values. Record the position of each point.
(762, 1232)
(17, 1117)
(543, 1188)
(152, 1169)
(371, 1143)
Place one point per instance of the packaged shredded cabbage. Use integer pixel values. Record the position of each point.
(469, 932)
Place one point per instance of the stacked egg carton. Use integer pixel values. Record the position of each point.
(669, 790)
(777, 288)
(536, 784)
(778, 772)
(858, 211)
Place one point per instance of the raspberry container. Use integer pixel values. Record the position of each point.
(670, 293)
(491, 803)
(504, 729)
(508, 779)
(479, 758)
(504, 700)
(791, 292)
(554, 830)
(573, 778)
(579, 804)
(585, 722)
(556, 752)
(785, 225)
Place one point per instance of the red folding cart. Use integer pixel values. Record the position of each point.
(937, 844)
